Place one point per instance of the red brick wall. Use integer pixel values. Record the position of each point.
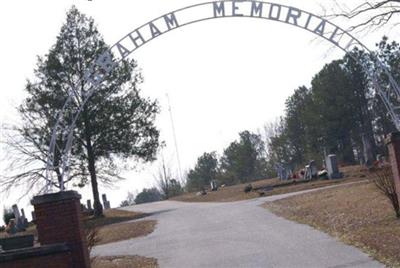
(59, 220)
(393, 143)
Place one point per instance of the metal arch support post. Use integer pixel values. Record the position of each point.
(317, 25)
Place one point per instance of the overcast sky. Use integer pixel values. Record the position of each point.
(223, 76)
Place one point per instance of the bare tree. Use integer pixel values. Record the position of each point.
(369, 15)
(169, 186)
(27, 157)
(268, 132)
(384, 181)
(129, 201)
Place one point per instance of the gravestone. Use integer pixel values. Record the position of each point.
(24, 219)
(332, 167)
(313, 169)
(279, 171)
(214, 185)
(19, 221)
(89, 204)
(23, 213)
(283, 171)
(33, 215)
(307, 172)
(16, 212)
(106, 203)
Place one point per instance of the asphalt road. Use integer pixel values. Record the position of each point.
(238, 234)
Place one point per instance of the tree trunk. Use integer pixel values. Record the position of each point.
(98, 208)
(367, 150)
(348, 154)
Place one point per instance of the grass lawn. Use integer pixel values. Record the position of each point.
(236, 193)
(124, 262)
(117, 225)
(112, 216)
(357, 214)
(125, 231)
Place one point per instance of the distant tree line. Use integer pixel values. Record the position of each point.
(340, 113)
(242, 161)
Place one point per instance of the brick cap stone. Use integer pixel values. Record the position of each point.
(50, 198)
(394, 136)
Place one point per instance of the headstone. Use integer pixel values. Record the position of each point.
(16, 212)
(283, 171)
(214, 185)
(33, 216)
(19, 221)
(307, 173)
(24, 220)
(89, 204)
(313, 169)
(106, 203)
(332, 167)
(279, 171)
(23, 213)
(288, 173)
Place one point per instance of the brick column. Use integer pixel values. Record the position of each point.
(393, 144)
(59, 220)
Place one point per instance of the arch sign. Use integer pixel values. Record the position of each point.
(296, 17)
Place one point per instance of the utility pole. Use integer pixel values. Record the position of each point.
(175, 140)
(166, 180)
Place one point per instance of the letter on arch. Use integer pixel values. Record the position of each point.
(257, 9)
(154, 30)
(171, 21)
(293, 15)
(235, 8)
(278, 12)
(219, 9)
(320, 28)
(123, 51)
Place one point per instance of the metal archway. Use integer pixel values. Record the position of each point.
(99, 69)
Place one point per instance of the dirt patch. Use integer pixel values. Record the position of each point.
(266, 187)
(124, 262)
(357, 214)
(124, 231)
(117, 225)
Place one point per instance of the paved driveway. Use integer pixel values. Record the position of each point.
(238, 234)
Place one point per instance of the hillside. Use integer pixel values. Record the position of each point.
(272, 187)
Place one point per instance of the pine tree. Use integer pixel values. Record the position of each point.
(115, 124)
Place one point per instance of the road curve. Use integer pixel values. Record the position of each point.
(237, 234)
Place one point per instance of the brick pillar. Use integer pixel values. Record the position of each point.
(393, 144)
(58, 220)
